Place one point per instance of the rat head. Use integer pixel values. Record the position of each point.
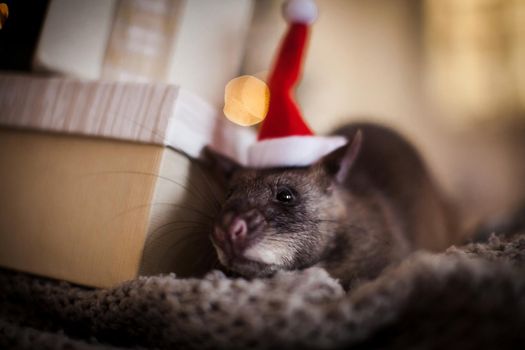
(279, 218)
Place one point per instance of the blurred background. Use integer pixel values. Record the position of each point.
(448, 74)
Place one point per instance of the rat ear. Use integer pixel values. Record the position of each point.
(339, 162)
(220, 165)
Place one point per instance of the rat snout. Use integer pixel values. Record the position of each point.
(234, 232)
(237, 229)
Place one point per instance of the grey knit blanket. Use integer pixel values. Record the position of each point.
(468, 297)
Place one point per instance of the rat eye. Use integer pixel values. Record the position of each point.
(284, 195)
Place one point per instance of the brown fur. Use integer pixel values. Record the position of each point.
(357, 210)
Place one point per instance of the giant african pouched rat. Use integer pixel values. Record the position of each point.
(354, 212)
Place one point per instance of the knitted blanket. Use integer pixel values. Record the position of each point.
(468, 297)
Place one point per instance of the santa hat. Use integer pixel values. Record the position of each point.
(285, 140)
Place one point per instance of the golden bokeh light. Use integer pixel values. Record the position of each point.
(246, 100)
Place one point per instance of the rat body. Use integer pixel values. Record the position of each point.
(354, 212)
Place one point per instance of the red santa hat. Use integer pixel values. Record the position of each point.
(285, 140)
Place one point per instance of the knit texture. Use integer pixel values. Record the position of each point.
(468, 297)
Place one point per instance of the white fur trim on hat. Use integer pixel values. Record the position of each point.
(300, 11)
(292, 151)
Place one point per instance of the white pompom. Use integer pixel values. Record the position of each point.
(300, 11)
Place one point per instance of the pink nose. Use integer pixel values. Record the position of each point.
(237, 230)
